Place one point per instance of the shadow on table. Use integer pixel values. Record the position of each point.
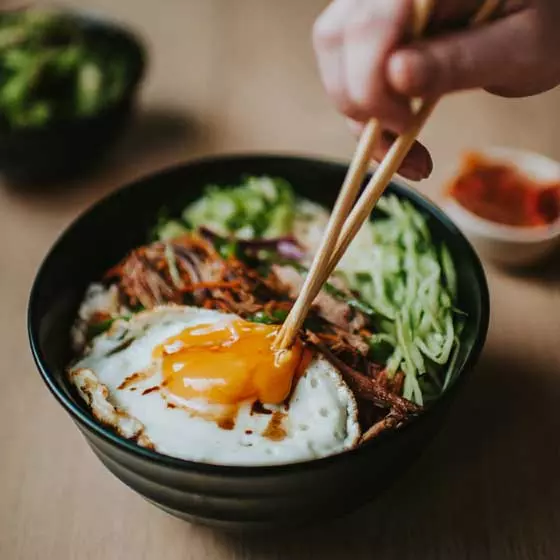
(546, 274)
(485, 488)
(159, 130)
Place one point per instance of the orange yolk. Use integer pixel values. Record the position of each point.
(229, 362)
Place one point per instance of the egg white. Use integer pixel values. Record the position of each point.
(117, 378)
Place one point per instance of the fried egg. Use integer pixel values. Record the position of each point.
(206, 386)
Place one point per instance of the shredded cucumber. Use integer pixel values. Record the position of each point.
(411, 284)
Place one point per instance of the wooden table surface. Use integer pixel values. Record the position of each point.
(240, 76)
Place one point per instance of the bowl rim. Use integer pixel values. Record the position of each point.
(130, 447)
(101, 21)
(527, 162)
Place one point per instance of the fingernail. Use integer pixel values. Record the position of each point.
(412, 173)
(416, 168)
(421, 165)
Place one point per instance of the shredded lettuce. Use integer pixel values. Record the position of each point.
(171, 230)
(261, 207)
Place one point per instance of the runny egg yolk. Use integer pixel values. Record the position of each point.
(229, 362)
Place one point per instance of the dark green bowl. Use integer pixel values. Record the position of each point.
(240, 497)
(65, 148)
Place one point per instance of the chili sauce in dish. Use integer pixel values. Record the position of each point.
(500, 193)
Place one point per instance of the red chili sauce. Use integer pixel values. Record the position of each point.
(500, 193)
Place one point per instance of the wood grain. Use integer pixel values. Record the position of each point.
(237, 76)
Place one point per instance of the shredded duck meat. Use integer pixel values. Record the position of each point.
(364, 386)
(189, 270)
(335, 310)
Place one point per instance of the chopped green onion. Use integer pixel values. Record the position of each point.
(95, 329)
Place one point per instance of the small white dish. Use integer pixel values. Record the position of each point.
(510, 245)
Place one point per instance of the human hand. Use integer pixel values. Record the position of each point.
(371, 68)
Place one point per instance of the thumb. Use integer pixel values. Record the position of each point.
(504, 57)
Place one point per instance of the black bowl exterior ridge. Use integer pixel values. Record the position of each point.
(230, 496)
(64, 148)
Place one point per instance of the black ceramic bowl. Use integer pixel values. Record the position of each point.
(64, 148)
(247, 497)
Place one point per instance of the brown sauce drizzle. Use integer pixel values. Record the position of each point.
(133, 378)
(258, 408)
(306, 358)
(275, 431)
(226, 423)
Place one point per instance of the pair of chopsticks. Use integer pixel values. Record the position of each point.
(346, 221)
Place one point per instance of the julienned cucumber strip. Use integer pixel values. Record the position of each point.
(451, 366)
(412, 284)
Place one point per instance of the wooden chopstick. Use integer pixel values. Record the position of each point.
(485, 12)
(326, 259)
(352, 182)
(348, 193)
(377, 185)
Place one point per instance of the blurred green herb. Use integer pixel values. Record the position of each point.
(51, 68)
(273, 318)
